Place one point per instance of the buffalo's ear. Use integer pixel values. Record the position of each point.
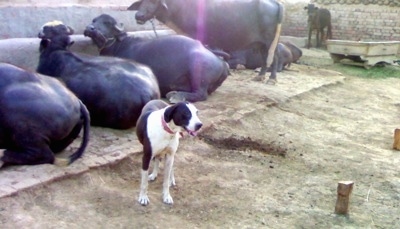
(120, 27)
(43, 45)
(70, 44)
(135, 6)
(70, 31)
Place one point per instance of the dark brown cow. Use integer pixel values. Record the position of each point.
(318, 19)
(229, 25)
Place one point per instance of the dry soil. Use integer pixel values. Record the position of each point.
(267, 157)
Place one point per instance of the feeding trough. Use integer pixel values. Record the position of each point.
(363, 53)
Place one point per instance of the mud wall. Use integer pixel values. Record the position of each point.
(367, 20)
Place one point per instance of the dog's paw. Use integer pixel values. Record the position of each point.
(144, 200)
(168, 199)
(152, 177)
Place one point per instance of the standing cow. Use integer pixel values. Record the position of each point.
(185, 69)
(114, 90)
(229, 25)
(318, 19)
(39, 116)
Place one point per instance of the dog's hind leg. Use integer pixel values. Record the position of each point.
(169, 162)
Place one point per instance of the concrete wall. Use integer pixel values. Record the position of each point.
(362, 19)
(24, 52)
(24, 18)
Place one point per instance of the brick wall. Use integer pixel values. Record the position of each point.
(370, 20)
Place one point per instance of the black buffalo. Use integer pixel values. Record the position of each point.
(39, 116)
(229, 25)
(251, 58)
(113, 89)
(185, 69)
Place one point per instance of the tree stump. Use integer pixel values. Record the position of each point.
(396, 143)
(344, 190)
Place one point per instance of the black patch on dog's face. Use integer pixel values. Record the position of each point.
(179, 113)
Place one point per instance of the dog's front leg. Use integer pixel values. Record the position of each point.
(154, 174)
(169, 162)
(172, 178)
(143, 198)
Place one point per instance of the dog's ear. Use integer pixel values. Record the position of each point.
(172, 110)
(169, 112)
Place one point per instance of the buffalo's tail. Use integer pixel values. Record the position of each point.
(85, 139)
(221, 53)
(271, 50)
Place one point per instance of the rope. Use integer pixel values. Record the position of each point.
(154, 27)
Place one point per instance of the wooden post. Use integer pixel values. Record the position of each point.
(396, 143)
(343, 197)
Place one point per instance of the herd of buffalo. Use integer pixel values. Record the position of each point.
(42, 112)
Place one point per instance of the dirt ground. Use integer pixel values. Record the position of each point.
(267, 157)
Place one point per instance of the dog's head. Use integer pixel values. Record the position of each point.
(184, 114)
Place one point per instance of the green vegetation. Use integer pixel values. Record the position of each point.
(376, 72)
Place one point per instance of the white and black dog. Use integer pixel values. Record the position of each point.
(159, 128)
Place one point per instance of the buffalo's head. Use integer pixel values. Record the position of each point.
(148, 9)
(53, 29)
(311, 11)
(56, 35)
(104, 29)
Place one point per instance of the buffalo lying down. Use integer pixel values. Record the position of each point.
(185, 69)
(113, 89)
(229, 25)
(39, 116)
(287, 53)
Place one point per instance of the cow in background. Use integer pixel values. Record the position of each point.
(318, 19)
(113, 89)
(229, 25)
